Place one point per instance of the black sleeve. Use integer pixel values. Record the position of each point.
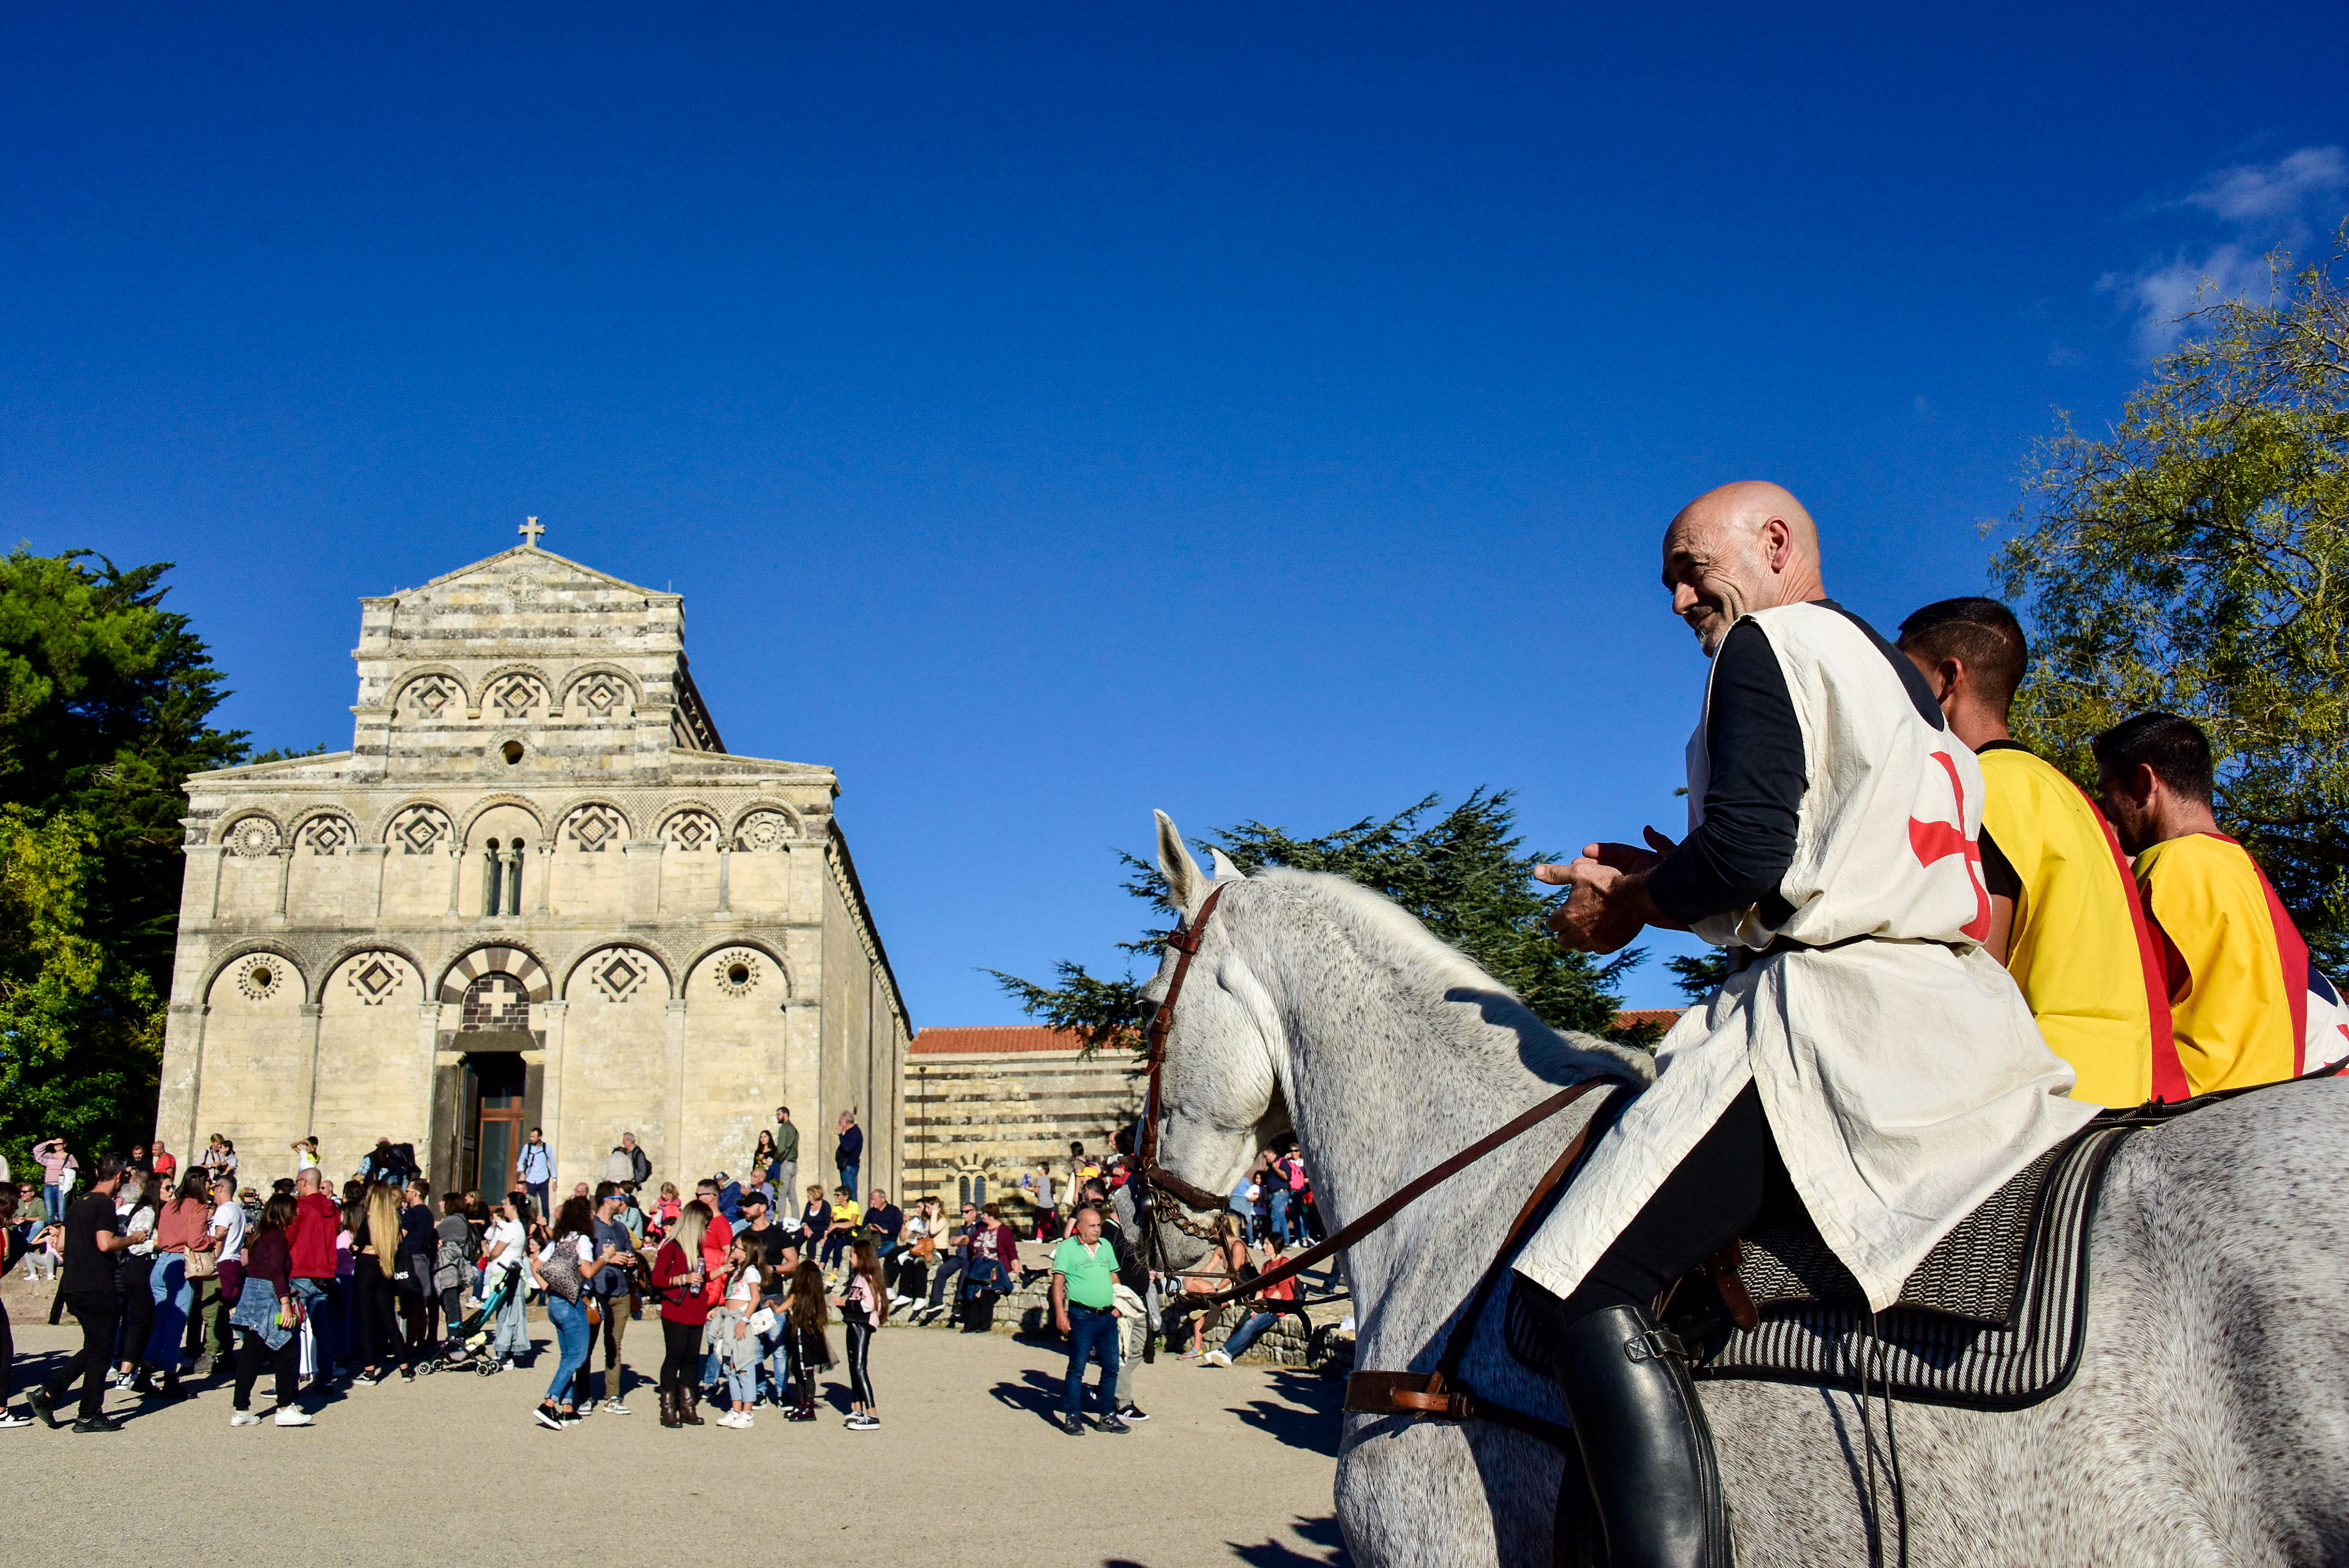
(1753, 793)
(1998, 872)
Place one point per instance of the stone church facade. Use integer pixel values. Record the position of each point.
(537, 891)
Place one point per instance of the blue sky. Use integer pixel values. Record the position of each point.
(1050, 413)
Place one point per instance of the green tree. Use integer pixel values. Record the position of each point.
(1463, 873)
(104, 702)
(2196, 559)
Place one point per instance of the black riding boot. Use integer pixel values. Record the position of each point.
(1644, 1443)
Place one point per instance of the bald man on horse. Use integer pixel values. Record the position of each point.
(1864, 1052)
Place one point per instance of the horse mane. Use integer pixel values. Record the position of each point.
(1393, 935)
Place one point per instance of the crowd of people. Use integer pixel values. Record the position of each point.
(175, 1279)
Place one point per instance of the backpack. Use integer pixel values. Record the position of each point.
(560, 1269)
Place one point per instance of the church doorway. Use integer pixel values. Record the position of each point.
(495, 1087)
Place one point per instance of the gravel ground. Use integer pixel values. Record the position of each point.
(1235, 1465)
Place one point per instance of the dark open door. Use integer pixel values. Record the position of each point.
(497, 1080)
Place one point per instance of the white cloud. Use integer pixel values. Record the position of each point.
(2266, 204)
(2261, 192)
(2161, 295)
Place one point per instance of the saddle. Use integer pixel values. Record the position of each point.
(1993, 1317)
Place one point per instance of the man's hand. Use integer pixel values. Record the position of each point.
(1608, 902)
(1060, 1321)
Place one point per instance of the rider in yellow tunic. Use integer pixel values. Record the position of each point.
(2067, 918)
(2238, 968)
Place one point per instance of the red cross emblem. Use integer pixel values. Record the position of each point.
(1934, 841)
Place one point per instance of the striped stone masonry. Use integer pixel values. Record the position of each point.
(986, 1105)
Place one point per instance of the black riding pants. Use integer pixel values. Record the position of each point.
(1709, 1200)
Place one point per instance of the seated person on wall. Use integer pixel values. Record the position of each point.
(2066, 918)
(2245, 1001)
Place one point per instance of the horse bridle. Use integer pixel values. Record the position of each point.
(1170, 1195)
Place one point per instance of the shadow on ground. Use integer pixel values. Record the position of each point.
(1320, 1533)
(1315, 1427)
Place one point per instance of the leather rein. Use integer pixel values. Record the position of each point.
(1170, 1194)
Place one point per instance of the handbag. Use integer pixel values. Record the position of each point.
(762, 1322)
(204, 1263)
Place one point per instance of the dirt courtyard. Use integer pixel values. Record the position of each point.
(1233, 1467)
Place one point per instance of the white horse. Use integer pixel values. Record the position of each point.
(2208, 1423)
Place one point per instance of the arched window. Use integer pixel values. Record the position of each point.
(491, 879)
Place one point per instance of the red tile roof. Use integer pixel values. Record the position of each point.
(956, 1042)
(1662, 1017)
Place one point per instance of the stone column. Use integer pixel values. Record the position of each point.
(283, 854)
(456, 875)
(545, 876)
(725, 869)
(552, 1014)
(312, 1024)
(674, 1155)
(428, 1045)
(514, 861)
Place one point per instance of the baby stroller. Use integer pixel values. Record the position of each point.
(469, 1337)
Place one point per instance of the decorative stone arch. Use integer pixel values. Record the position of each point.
(592, 824)
(251, 833)
(755, 829)
(350, 950)
(691, 825)
(400, 827)
(780, 977)
(325, 830)
(500, 958)
(512, 692)
(488, 803)
(242, 952)
(431, 694)
(601, 691)
(595, 962)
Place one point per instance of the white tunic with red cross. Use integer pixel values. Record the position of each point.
(1901, 1072)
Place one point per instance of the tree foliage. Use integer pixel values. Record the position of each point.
(2196, 559)
(1460, 871)
(104, 702)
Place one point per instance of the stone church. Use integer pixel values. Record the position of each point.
(537, 891)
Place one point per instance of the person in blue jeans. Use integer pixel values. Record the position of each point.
(562, 1269)
(849, 1155)
(1276, 1184)
(535, 1167)
(1084, 1308)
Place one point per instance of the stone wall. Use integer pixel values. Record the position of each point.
(989, 1104)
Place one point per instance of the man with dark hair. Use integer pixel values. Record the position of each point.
(2239, 975)
(89, 1288)
(614, 1287)
(2065, 919)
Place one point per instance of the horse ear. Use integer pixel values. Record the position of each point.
(1184, 882)
(1224, 869)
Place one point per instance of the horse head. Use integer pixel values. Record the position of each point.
(1219, 1087)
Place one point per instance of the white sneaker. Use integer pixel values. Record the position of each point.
(290, 1417)
(1215, 1358)
(614, 1408)
(245, 1419)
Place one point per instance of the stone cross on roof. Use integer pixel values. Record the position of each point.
(530, 532)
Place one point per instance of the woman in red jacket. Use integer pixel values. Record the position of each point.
(681, 1282)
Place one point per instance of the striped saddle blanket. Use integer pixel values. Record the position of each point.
(1992, 1319)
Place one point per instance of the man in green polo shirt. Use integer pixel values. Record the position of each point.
(1084, 1308)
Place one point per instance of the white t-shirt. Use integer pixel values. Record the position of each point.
(507, 1233)
(228, 1224)
(745, 1290)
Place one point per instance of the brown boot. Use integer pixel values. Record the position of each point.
(670, 1418)
(688, 1399)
